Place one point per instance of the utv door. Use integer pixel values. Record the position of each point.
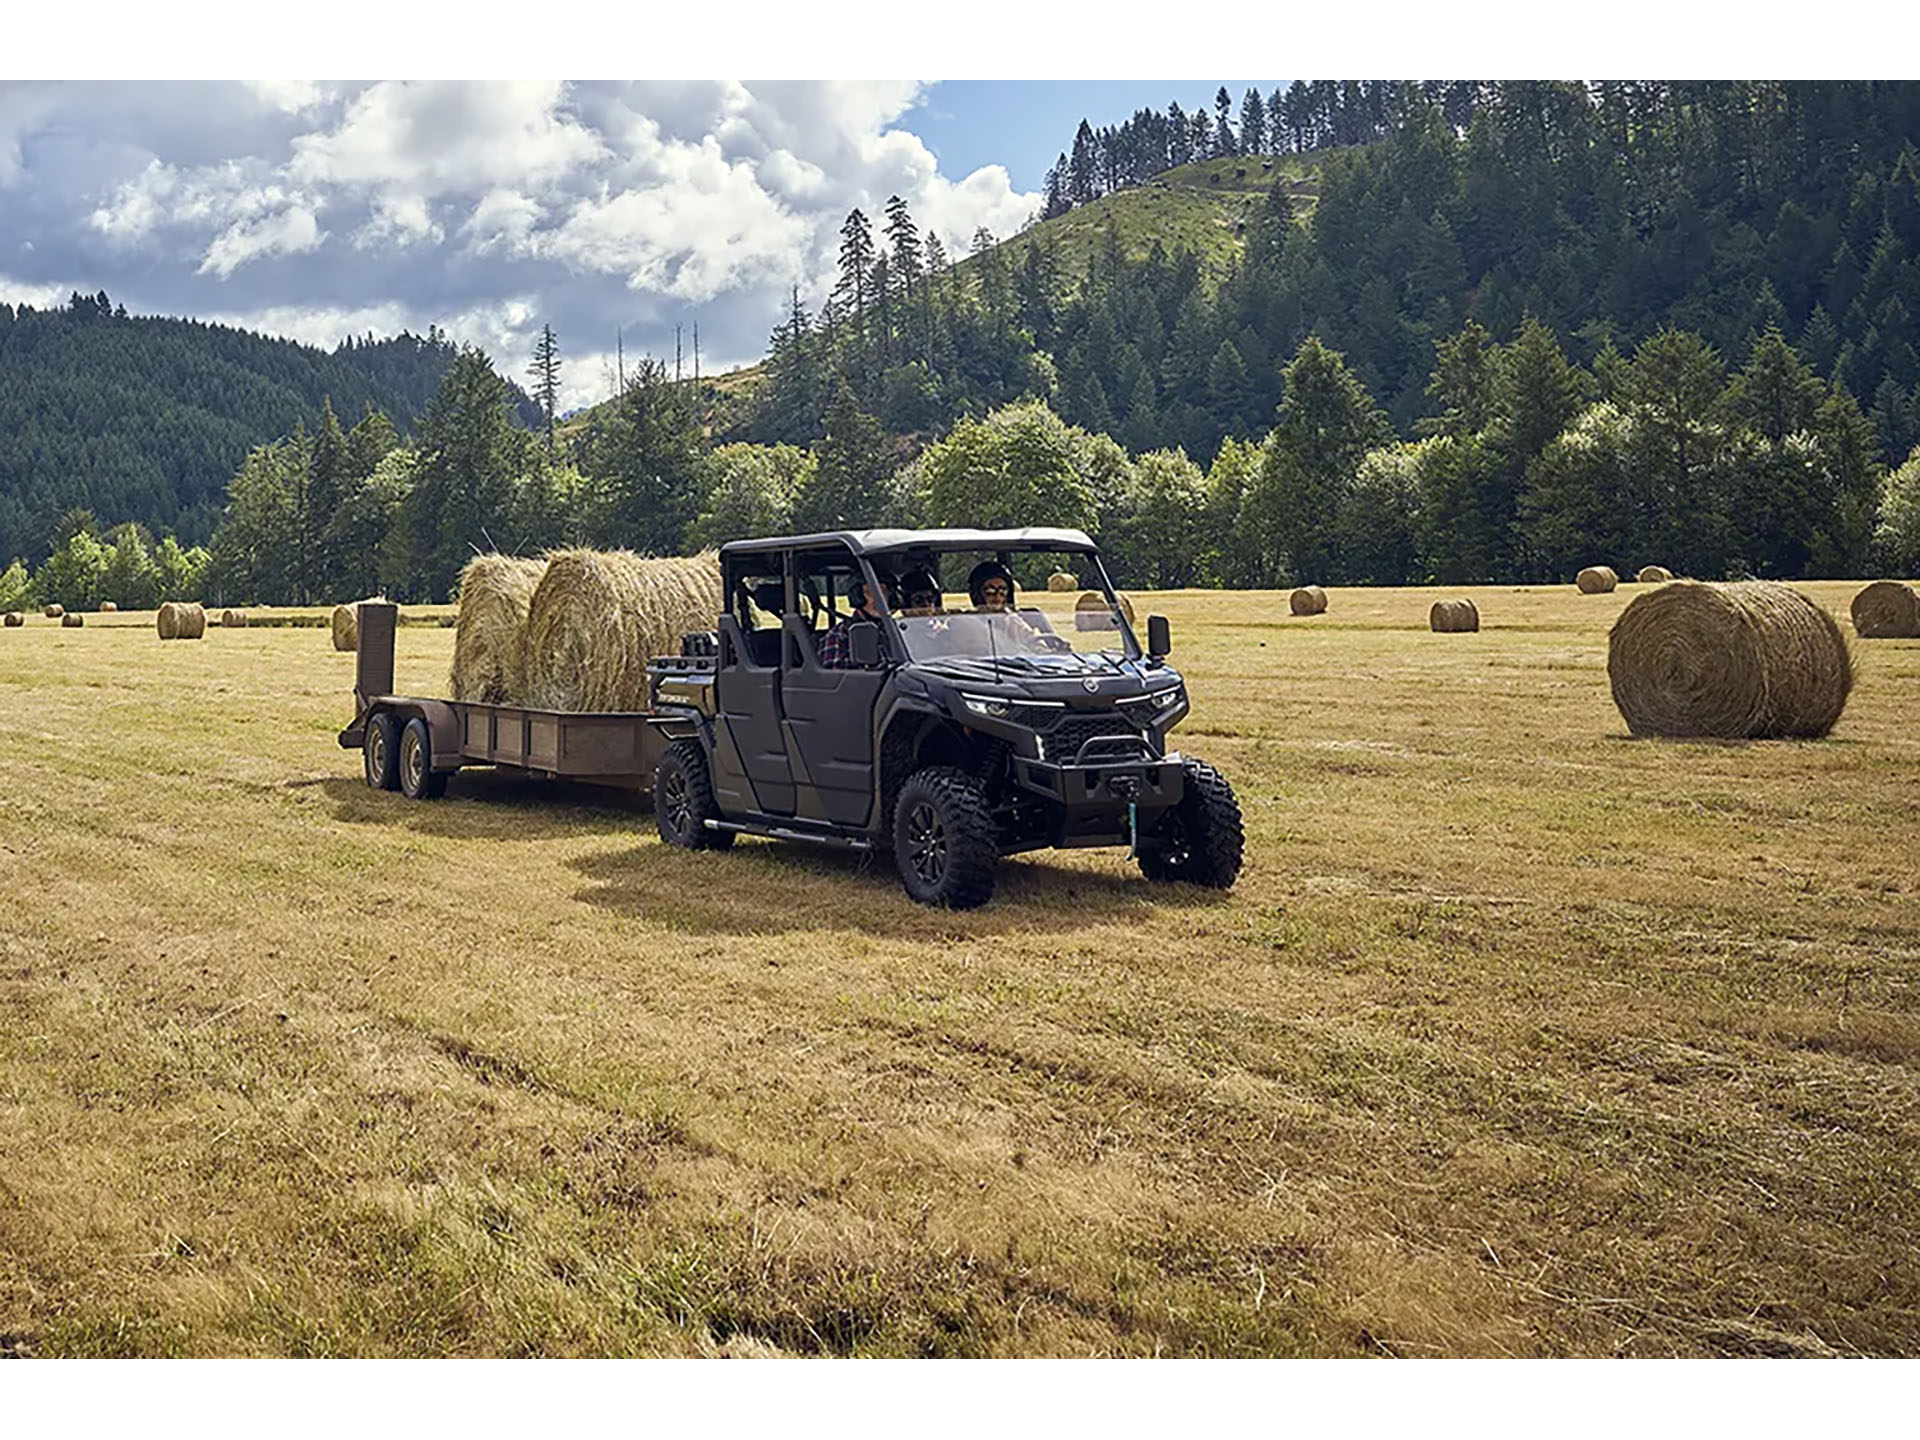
(749, 742)
(829, 713)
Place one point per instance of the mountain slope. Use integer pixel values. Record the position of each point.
(145, 418)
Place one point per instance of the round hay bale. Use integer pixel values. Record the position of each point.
(1887, 610)
(1453, 616)
(72, 620)
(1090, 611)
(1750, 660)
(490, 631)
(1060, 582)
(15, 619)
(1308, 600)
(1654, 575)
(54, 612)
(107, 607)
(597, 616)
(181, 620)
(233, 619)
(1596, 580)
(346, 623)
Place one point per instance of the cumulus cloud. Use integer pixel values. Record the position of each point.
(486, 208)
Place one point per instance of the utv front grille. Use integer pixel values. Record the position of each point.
(1074, 728)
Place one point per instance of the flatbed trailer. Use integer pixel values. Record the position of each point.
(616, 748)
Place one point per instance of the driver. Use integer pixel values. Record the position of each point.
(991, 585)
(836, 646)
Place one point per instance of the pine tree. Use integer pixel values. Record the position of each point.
(470, 456)
(545, 371)
(852, 290)
(1327, 423)
(1223, 137)
(645, 464)
(328, 472)
(1465, 376)
(852, 483)
(1253, 123)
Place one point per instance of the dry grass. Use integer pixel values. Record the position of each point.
(1572, 1044)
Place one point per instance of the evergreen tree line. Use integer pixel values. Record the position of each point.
(1608, 212)
(1531, 466)
(1308, 115)
(143, 419)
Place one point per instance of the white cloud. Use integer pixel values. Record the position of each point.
(439, 137)
(291, 231)
(295, 97)
(502, 219)
(398, 221)
(39, 296)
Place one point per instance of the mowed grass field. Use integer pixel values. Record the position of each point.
(1517, 1036)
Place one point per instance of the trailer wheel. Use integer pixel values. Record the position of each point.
(418, 779)
(380, 751)
(943, 839)
(1200, 840)
(683, 799)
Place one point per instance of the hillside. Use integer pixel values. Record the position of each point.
(1202, 207)
(146, 418)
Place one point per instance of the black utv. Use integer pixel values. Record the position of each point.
(901, 691)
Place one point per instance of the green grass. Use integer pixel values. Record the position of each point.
(1516, 1037)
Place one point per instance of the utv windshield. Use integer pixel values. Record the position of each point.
(1035, 610)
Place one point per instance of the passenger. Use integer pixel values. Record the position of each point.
(919, 593)
(836, 646)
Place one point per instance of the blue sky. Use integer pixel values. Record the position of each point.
(1025, 124)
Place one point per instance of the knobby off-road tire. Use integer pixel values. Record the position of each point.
(1200, 840)
(683, 799)
(380, 752)
(418, 779)
(943, 839)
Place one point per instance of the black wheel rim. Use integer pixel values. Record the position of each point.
(376, 756)
(679, 806)
(414, 755)
(926, 843)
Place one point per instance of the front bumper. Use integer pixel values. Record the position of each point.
(1104, 788)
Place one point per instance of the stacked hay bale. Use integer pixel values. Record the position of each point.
(1453, 616)
(1751, 660)
(15, 619)
(346, 622)
(596, 617)
(1654, 575)
(1060, 582)
(233, 619)
(490, 631)
(1596, 580)
(181, 620)
(73, 620)
(1887, 610)
(1308, 600)
(54, 612)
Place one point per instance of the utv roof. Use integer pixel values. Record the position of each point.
(880, 542)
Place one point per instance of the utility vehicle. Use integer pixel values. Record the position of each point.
(951, 733)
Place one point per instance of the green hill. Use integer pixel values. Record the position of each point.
(1202, 207)
(146, 418)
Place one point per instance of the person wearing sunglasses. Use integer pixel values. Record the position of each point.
(991, 585)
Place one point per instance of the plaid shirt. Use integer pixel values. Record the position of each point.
(836, 646)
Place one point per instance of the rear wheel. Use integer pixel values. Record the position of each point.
(1199, 840)
(683, 799)
(418, 779)
(943, 839)
(380, 751)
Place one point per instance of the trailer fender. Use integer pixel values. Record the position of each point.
(443, 725)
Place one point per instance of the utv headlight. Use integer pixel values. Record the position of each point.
(1165, 700)
(989, 706)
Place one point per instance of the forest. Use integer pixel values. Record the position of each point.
(1516, 329)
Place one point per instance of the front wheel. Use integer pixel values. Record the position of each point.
(943, 839)
(1200, 840)
(683, 799)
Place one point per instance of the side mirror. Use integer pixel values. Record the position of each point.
(1159, 637)
(863, 642)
